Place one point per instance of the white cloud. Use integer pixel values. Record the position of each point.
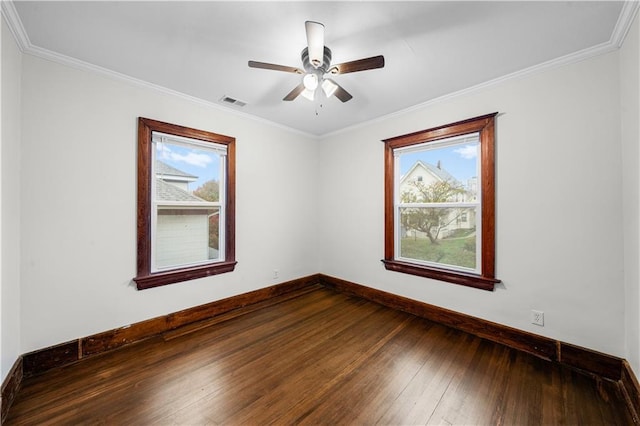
(467, 152)
(198, 160)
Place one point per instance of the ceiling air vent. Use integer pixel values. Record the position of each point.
(229, 100)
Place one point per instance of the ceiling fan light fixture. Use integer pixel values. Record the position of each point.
(315, 42)
(310, 81)
(329, 87)
(309, 94)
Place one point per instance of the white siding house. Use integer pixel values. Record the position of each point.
(175, 177)
(182, 232)
(422, 175)
(181, 239)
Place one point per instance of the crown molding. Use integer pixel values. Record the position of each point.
(10, 15)
(625, 20)
(114, 75)
(571, 58)
(618, 35)
(24, 44)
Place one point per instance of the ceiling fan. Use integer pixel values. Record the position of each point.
(316, 61)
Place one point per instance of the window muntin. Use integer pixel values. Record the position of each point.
(186, 206)
(459, 205)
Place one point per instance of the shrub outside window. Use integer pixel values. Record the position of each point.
(439, 203)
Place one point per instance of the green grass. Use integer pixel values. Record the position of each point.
(463, 232)
(458, 252)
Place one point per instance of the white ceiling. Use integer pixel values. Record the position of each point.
(431, 49)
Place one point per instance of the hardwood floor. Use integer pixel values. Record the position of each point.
(318, 358)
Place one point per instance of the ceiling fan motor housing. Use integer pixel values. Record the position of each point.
(326, 61)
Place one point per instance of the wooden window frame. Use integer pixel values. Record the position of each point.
(485, 126)
(145, 278)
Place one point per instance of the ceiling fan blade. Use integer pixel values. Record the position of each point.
(342, 94)
(274, 67)
(294, 93)
(359, 65)
(315, 42)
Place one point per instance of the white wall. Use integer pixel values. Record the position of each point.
(630, 101)
(560, 243)
(10, 202)
(78, 186)
(559, 222)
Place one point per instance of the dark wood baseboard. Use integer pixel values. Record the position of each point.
(10, 388)
(585, 360)
(631, 390)
(41, 360)
(542, 347)
(592, 362)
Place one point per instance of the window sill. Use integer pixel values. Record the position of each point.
(184, 274)
(461, 278)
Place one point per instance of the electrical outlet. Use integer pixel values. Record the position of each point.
(537, 317)
(276, 274)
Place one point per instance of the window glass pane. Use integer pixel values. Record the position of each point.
(440, 235)
(444, 172)
(187, 182)
(186, 236)
(192, 169)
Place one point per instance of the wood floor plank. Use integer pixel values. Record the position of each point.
(320, 357)
(233, 367)
(177, 362)
(446, 352)
(268, 341)
(290, 376)
(378, 382)
(476, 388)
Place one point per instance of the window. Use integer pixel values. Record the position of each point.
(186, 216)
(442, 225)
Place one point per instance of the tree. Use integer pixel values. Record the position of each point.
(432, 220)
(214, 231)
(210, 191)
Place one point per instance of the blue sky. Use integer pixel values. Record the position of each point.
(459, 160)
(193, 160)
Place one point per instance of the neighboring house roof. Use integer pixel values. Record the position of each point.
(168, 192)
(439, 173)
(167, 171)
